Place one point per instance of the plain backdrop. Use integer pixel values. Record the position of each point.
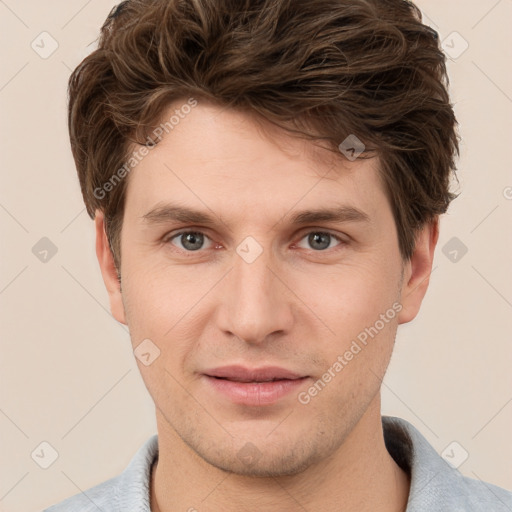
(68, 375)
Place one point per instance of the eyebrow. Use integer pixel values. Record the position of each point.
(168, 213)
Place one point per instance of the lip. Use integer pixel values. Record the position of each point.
(253, 386)
(243, 374)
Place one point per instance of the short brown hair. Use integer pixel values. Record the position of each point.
(323, 69)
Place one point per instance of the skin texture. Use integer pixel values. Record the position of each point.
(297, 306)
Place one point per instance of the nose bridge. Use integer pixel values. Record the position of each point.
(256, 303)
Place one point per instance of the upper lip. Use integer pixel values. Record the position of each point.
(243, 374)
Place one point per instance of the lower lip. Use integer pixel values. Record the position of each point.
(255, 393)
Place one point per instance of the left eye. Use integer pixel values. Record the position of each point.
(320, 240)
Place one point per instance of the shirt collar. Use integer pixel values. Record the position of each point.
(435, 485)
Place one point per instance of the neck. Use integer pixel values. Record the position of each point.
(360, 476)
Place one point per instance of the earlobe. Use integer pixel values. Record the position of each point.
(108, 269)
(417, 271)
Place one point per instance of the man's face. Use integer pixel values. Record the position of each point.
(254, 295)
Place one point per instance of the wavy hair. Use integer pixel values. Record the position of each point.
(320, 69)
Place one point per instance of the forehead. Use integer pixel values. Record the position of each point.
(227, 161)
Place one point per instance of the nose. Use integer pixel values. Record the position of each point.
(256, 302)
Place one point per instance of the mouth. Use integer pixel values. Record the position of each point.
(242, 374)
(254, 381)
(253, 387)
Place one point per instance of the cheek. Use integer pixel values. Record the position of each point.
(166, 304)
(152, 301)
(350, 298)
(160, 316)
(361, 309)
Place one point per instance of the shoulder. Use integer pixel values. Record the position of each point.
(127, 491)
(482, 496)
(435, 485)
(101, 497)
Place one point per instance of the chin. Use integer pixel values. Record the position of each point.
(266, 467)
(261, 458)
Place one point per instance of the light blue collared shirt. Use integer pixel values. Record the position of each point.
(435, 486)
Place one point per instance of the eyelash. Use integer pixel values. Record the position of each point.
(168, 238)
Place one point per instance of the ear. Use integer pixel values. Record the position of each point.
(108, 269)
(417, 271)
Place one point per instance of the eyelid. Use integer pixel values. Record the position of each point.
(173, 234)
(170, 236)
(337, 236)
(306, 231)
(302, 234)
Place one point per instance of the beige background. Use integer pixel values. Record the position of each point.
(68, 376)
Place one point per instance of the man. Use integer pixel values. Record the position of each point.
(266, 179)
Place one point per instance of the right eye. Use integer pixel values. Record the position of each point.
(188, 241)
